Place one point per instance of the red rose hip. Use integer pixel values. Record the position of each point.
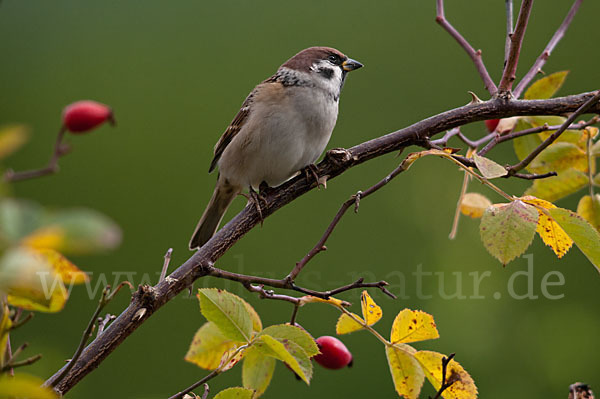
(82, 116)
(334, 354)
(492, 124)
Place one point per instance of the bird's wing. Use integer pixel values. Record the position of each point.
(238, 122)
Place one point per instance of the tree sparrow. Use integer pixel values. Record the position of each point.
(283, 126)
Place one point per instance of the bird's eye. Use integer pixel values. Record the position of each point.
(334, 59)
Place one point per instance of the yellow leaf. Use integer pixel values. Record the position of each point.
(554, 188)
(47, 237)
(412, 326)
(549, 231)
(488, 168)
(546, 87)
(257, 371)
(406, 371)
(474, 205)
(208, 347)
(347, 324)
(590, 210)
(5, 325)
(463, 386)
(12, 137)
(67, 271)
(30, 281)
(370, 310)
(24, 386)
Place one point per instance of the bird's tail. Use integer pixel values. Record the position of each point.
(213, 214)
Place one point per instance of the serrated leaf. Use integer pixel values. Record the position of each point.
(295, 334)
(546, 87)
(589, 209)
(406, 371)
(581, 232)
(24, 386)
(12, 137)
(558, 157)
(30, 281)
(474, 204)
(548, 230)
(235, 393)
(463, 386)
(208, 346)
(488, 168)
(554, 188)
(413, 326)
(508, 229)
(228, 312)
(371, 311)
(257, 371)
(288, 352)
(347, 325)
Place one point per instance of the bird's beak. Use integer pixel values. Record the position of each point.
(351, 65)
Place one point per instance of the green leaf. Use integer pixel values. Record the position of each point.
(288, 352)
(235, 393)
(580, 231)
(208, 347)
(546, 87)
(228, 312)
(295, 334)
(18, 218)
(589, 209)
(24, 386)
(12, 137)
(560, 156)
(524, 145)
(406, 371)
(554, 188)
(488, 168)
(83, 231)
(508, 229)
(257, 370)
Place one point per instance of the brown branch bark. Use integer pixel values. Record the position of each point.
(148, 300)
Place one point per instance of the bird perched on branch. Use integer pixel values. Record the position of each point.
(283, 127)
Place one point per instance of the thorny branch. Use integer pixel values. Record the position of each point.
(541, 60)
(148, 300)
(516, 41)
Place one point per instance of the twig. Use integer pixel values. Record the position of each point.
(52, 167)
(165, 267)
(509, 30)
(209, 376)
(463, 191)
(541, 60)
(497, 139)
(516, 41)
(103, 322)
(591, 162)
(353, 201)
(107, 296)
(290, 285)
(475, 55)
(445, 383)
(199, 264)
(12, 365)
(206, 391)
(19, 323)
(527, 160)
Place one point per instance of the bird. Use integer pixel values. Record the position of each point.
(282, 128)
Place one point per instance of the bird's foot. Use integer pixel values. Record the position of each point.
(311, 173)
(255, 199)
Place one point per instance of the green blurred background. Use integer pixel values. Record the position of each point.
(176, 73)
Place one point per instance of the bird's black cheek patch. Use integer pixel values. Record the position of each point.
(327, 73)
